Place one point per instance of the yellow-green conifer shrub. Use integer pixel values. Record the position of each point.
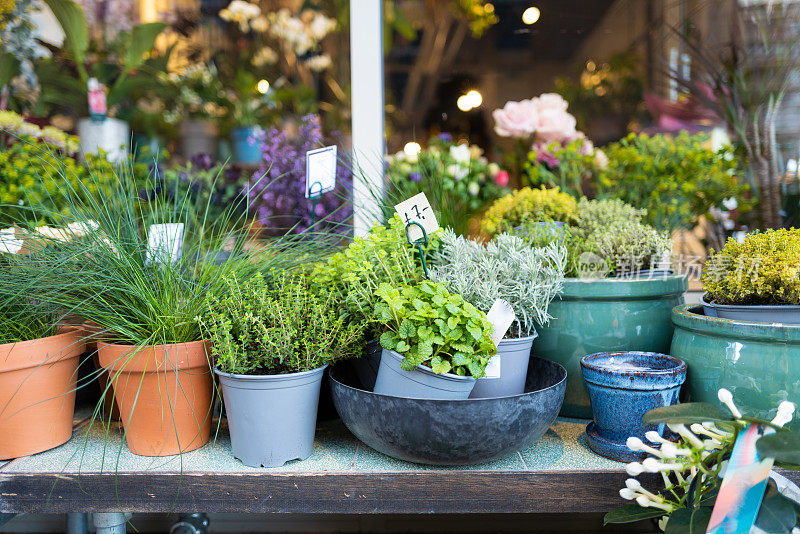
(529, 205)
(764, 269)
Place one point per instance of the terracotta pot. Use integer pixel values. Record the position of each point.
(164, 395)
(37, 393)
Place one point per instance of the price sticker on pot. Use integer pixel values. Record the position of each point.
(417, 210)
(164, 243)
(500, 316)
(320, 171)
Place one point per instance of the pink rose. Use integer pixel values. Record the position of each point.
(551, 101)
(554, 126)
(501, 178)
(516, 119)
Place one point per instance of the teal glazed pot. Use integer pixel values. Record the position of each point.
(606, 315)
(758, 362)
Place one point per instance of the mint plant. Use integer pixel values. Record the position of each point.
(429, 326)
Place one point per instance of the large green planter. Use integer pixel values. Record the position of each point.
(758, 362)
(605, 315)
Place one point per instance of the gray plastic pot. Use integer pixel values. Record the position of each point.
(367, 365)
(272, 418)
(788, 314)
(421, 383)
(514, 356)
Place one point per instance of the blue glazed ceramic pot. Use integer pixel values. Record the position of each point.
(246, 148)
(623, 386)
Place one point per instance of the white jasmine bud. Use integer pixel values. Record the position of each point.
(655, 437)
(633, 484)
(627, 494)
(645, 502)
(687, 435)
(634, 469)
(636, 444)
(726, 398)
(651, 465)
(712, 444)
(785, 414)
(662, 523)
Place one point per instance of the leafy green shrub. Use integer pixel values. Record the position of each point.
(354, 274)
(677, 179)
(429, 326)
(507, 268)
(528, 205)
(596, 214)
(280, 327)
(764, 269)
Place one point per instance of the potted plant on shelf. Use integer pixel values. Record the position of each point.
(617, 295)
(38, 370)
(435, 344)
(746, 335)
(354, 274)
(507, 268)
(107, 70)
(271, 341)
(199, 100)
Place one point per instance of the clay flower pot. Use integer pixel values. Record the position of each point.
(37, 393)
(164, 395)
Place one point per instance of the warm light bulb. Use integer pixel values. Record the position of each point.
(412, 148)
(263, 86)
(474, 98)
(464, 103)
(531, 15)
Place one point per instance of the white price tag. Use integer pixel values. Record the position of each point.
(164, 243)
(320, 171)
(500, 315)
(418, 210)
(492, 368)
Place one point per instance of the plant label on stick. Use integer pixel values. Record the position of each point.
(500, 316)
(320, 171)
(742, 489)
(417, 210)
(164, 243)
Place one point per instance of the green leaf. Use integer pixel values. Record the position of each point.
(689, 521)
(631, 513)
(72, 20)
(783, 446)
(689, 413)
(9, 67)
(777, 514)
(143, 38)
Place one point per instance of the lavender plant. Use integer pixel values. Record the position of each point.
(693, 466)
(505, 268)
(276, 192)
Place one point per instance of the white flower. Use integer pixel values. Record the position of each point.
(726, 398)
(686, 434)
(265, 56)
(473, 189)
(319, 63)
(461, 154)
(627, 494)
(259, 24)
(730, 203)
(785, 413)
(321, 25)
(634, 469)
(494, 168)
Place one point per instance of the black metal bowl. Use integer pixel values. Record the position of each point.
(451, 432)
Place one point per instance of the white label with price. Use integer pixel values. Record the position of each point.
(500, 316)
(418, 210)
(320, 171)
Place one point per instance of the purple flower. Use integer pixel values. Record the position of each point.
(415, 177)
(276, 193)
(446, 137)
(204, 162)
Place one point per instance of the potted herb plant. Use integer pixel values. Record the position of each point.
(617, 295)
(745, 337)
(507, 268)
(271, 342)
(38, 372)
(527, 205)
(435, 344)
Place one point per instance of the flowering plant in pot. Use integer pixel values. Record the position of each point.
(435, 344)
(272, 338)
(571, 164)
(354, 274)
(693, 466)
(38, 371)
(456, 178)
(618, 293)
(508, 268)
(526, 206)
(199, 100)
(755, 280)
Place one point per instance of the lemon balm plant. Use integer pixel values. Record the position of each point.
(526, 206)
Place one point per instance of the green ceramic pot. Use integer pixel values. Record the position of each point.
(606, 315)
(758, 362)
